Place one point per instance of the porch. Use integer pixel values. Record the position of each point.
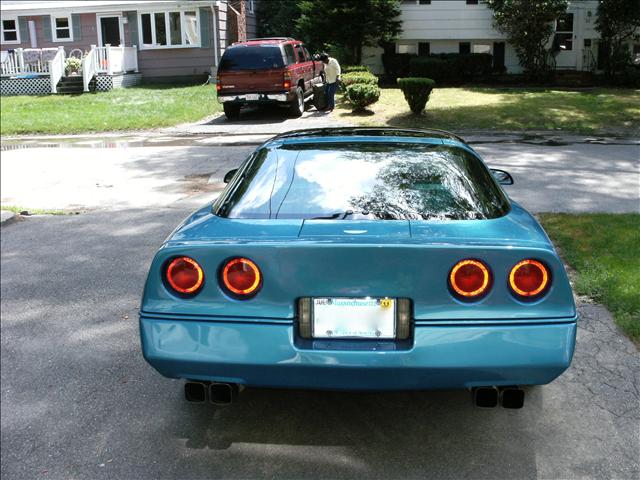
(38, 71)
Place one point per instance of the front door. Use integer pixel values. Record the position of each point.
(564, 42)
(110, 31)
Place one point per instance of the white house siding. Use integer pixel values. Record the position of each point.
(446, 23)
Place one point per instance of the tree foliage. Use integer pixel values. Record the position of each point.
(276, 18)
(529, 25)
(618, 21)
(350, 24)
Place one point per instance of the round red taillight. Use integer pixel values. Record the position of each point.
(470, 279)
(529, 278)
(241, 276)
(184, 275)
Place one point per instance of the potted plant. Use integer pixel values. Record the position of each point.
(72, 66)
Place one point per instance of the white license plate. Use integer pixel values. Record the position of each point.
(354, 318)
(253, 96)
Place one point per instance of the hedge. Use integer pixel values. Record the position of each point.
(452, 67)
(359, 77)
(416, 92)
(361, 95)
(397, 64)
(355, 68)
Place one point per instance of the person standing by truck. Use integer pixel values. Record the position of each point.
(332, 75)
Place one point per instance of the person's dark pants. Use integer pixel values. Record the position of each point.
(330, 91)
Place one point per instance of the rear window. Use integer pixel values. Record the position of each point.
(365, 181)
(255, 57)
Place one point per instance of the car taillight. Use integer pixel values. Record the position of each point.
(218, 84)
(286, 82)
(241, 277)
(529, 278)
(470, 279)
(184, 275)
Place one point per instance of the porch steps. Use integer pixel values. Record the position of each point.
(74, 84)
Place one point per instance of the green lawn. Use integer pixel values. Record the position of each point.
(136, 108)
(604, 250)
(586, 111)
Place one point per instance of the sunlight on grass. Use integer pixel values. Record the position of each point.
(604, 250)
(134, 108)
(590, 111)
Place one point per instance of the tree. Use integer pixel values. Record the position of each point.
(528, 25)
(276, 18)
(618, 21)
(349, 24)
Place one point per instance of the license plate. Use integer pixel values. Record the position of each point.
(354, 318)
(253, 96)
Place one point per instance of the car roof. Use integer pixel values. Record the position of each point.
(376, 132)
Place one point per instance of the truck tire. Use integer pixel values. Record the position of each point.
(231, 111)
(296, 107)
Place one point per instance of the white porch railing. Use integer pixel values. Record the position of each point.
(110, 59)
(89, 67)
(27, 60)
(56, 69)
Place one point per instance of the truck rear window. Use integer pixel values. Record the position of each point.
(255, 57)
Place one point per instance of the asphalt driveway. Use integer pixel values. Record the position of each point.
(78, 400)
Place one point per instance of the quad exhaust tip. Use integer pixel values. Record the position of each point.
(218, 393)
(491, 397)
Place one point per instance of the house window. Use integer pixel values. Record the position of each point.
(472, 2)
(481, 48)
(250, 6)
(464, 47)
(411, 48)
(172, 29)
(10, 33)
(61, 28)
(425, 2)
(424, 48)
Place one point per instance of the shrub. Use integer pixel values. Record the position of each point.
(361, 95)
(416, 91)
(359, 77)
(355, 68)
(452, 67)
(396, 64)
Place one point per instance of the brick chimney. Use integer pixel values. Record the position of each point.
(242, 21)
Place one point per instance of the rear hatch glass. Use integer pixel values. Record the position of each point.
(254, 57)
(373, 181)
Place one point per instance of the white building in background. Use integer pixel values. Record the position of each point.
(466, 26)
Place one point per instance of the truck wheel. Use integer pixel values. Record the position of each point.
(297, 106)
(231, 111)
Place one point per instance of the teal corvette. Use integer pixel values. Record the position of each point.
(360, 259)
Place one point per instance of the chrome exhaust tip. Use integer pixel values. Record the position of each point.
(485, 397)
(223, 393)
(512, 397)
(195, 392)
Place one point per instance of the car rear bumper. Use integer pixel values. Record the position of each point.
(256, 98)
(270, 355)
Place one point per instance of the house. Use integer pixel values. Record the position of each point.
(117, 42)
(466, 26)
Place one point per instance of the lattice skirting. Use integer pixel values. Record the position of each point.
(106, 82)
(25, 86)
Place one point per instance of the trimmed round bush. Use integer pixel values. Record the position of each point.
(416, 91)
(355, 68)
(361, 95)
(359, 77)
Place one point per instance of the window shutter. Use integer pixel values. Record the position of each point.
(132, 21)
(77, 27)
(205, 39)
(46, 27)
(24, 29)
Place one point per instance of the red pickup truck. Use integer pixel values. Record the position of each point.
(267, 70)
